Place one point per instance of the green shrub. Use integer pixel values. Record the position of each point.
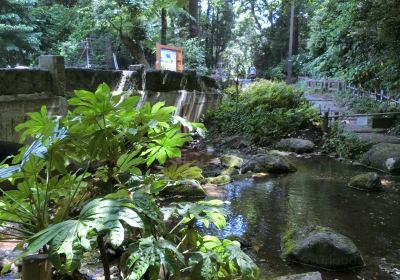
(265, 111)
(344, 144)
(85, 183)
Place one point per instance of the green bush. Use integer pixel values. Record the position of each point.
(85, 184)
(362, 105)
(344, 144)
(265, 111)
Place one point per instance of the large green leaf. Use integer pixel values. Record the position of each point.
(70, 238)
(39, 124)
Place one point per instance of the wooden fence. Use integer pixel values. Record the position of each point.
(340, 85)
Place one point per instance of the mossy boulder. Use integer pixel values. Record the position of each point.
(321, 247)
(268, 163)
(295, 145)
(383, 156)
(190, 189)
(231, 161)
(366, 182)
(219, 180)
(303, 276)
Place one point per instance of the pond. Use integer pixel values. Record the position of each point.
(260, 210)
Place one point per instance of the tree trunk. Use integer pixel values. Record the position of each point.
(194, 14)
(164, 26)
(103, 256)
(135, 49)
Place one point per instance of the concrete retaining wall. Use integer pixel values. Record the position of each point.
(25, 81)
(26, 90)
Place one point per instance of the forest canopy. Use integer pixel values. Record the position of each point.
(355, 40)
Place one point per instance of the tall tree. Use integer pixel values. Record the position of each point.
(194, 15)
(19, 41)
(164, 26)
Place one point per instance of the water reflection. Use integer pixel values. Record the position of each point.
(261, 210)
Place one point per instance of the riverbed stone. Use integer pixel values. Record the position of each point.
(296, 145)
(321, 247)
(190, 188)
(267, 163)
(383, 156)
(366, 182)
(219, 180)
(231, 161)
(316, 275)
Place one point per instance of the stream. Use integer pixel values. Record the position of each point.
(260, 210)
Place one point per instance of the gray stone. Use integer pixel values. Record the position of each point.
(383, 156)
(231, 161)
(304, 276)
(321, 247)
(366, 182)
(268, 163)
(296, 145)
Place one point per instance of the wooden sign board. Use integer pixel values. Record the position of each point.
(169, 58)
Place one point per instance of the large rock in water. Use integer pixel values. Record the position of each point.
(189, 188)
(366, 182)
(267, 163)
(320, 247)
(304, 276)
(384, 156)
(231, 161)
(296, 145)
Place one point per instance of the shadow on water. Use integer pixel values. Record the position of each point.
(260, 211)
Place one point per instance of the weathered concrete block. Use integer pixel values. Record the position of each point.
(56, 66)
(13, 111)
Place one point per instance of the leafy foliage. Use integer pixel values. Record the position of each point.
(85, 183)
(355, 45)
(344, 144)
(18, 38)
(266, 111)
(220, 259)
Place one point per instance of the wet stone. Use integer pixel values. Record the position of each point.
(304, 276)
(296, 145)
(320, 247)
(366, 182)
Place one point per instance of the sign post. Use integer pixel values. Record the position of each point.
(169, 58)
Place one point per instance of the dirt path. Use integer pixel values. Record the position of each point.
(361, 126)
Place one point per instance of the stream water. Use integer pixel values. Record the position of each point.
(260, 210)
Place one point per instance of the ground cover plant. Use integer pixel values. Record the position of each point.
(265, 112)
(344, 144)
(85, 184)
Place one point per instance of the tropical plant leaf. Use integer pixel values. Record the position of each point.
(185, 171)
(99, 215)
(38, 124)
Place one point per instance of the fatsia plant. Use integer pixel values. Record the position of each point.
(85, 183)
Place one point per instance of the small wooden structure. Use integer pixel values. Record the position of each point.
(169, 58)
(36, 267)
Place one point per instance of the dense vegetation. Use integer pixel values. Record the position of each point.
(265, 111)
(348, 39)
(86, 184)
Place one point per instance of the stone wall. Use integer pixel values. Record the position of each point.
(26, 90)
(25, 81)
(89, 79)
